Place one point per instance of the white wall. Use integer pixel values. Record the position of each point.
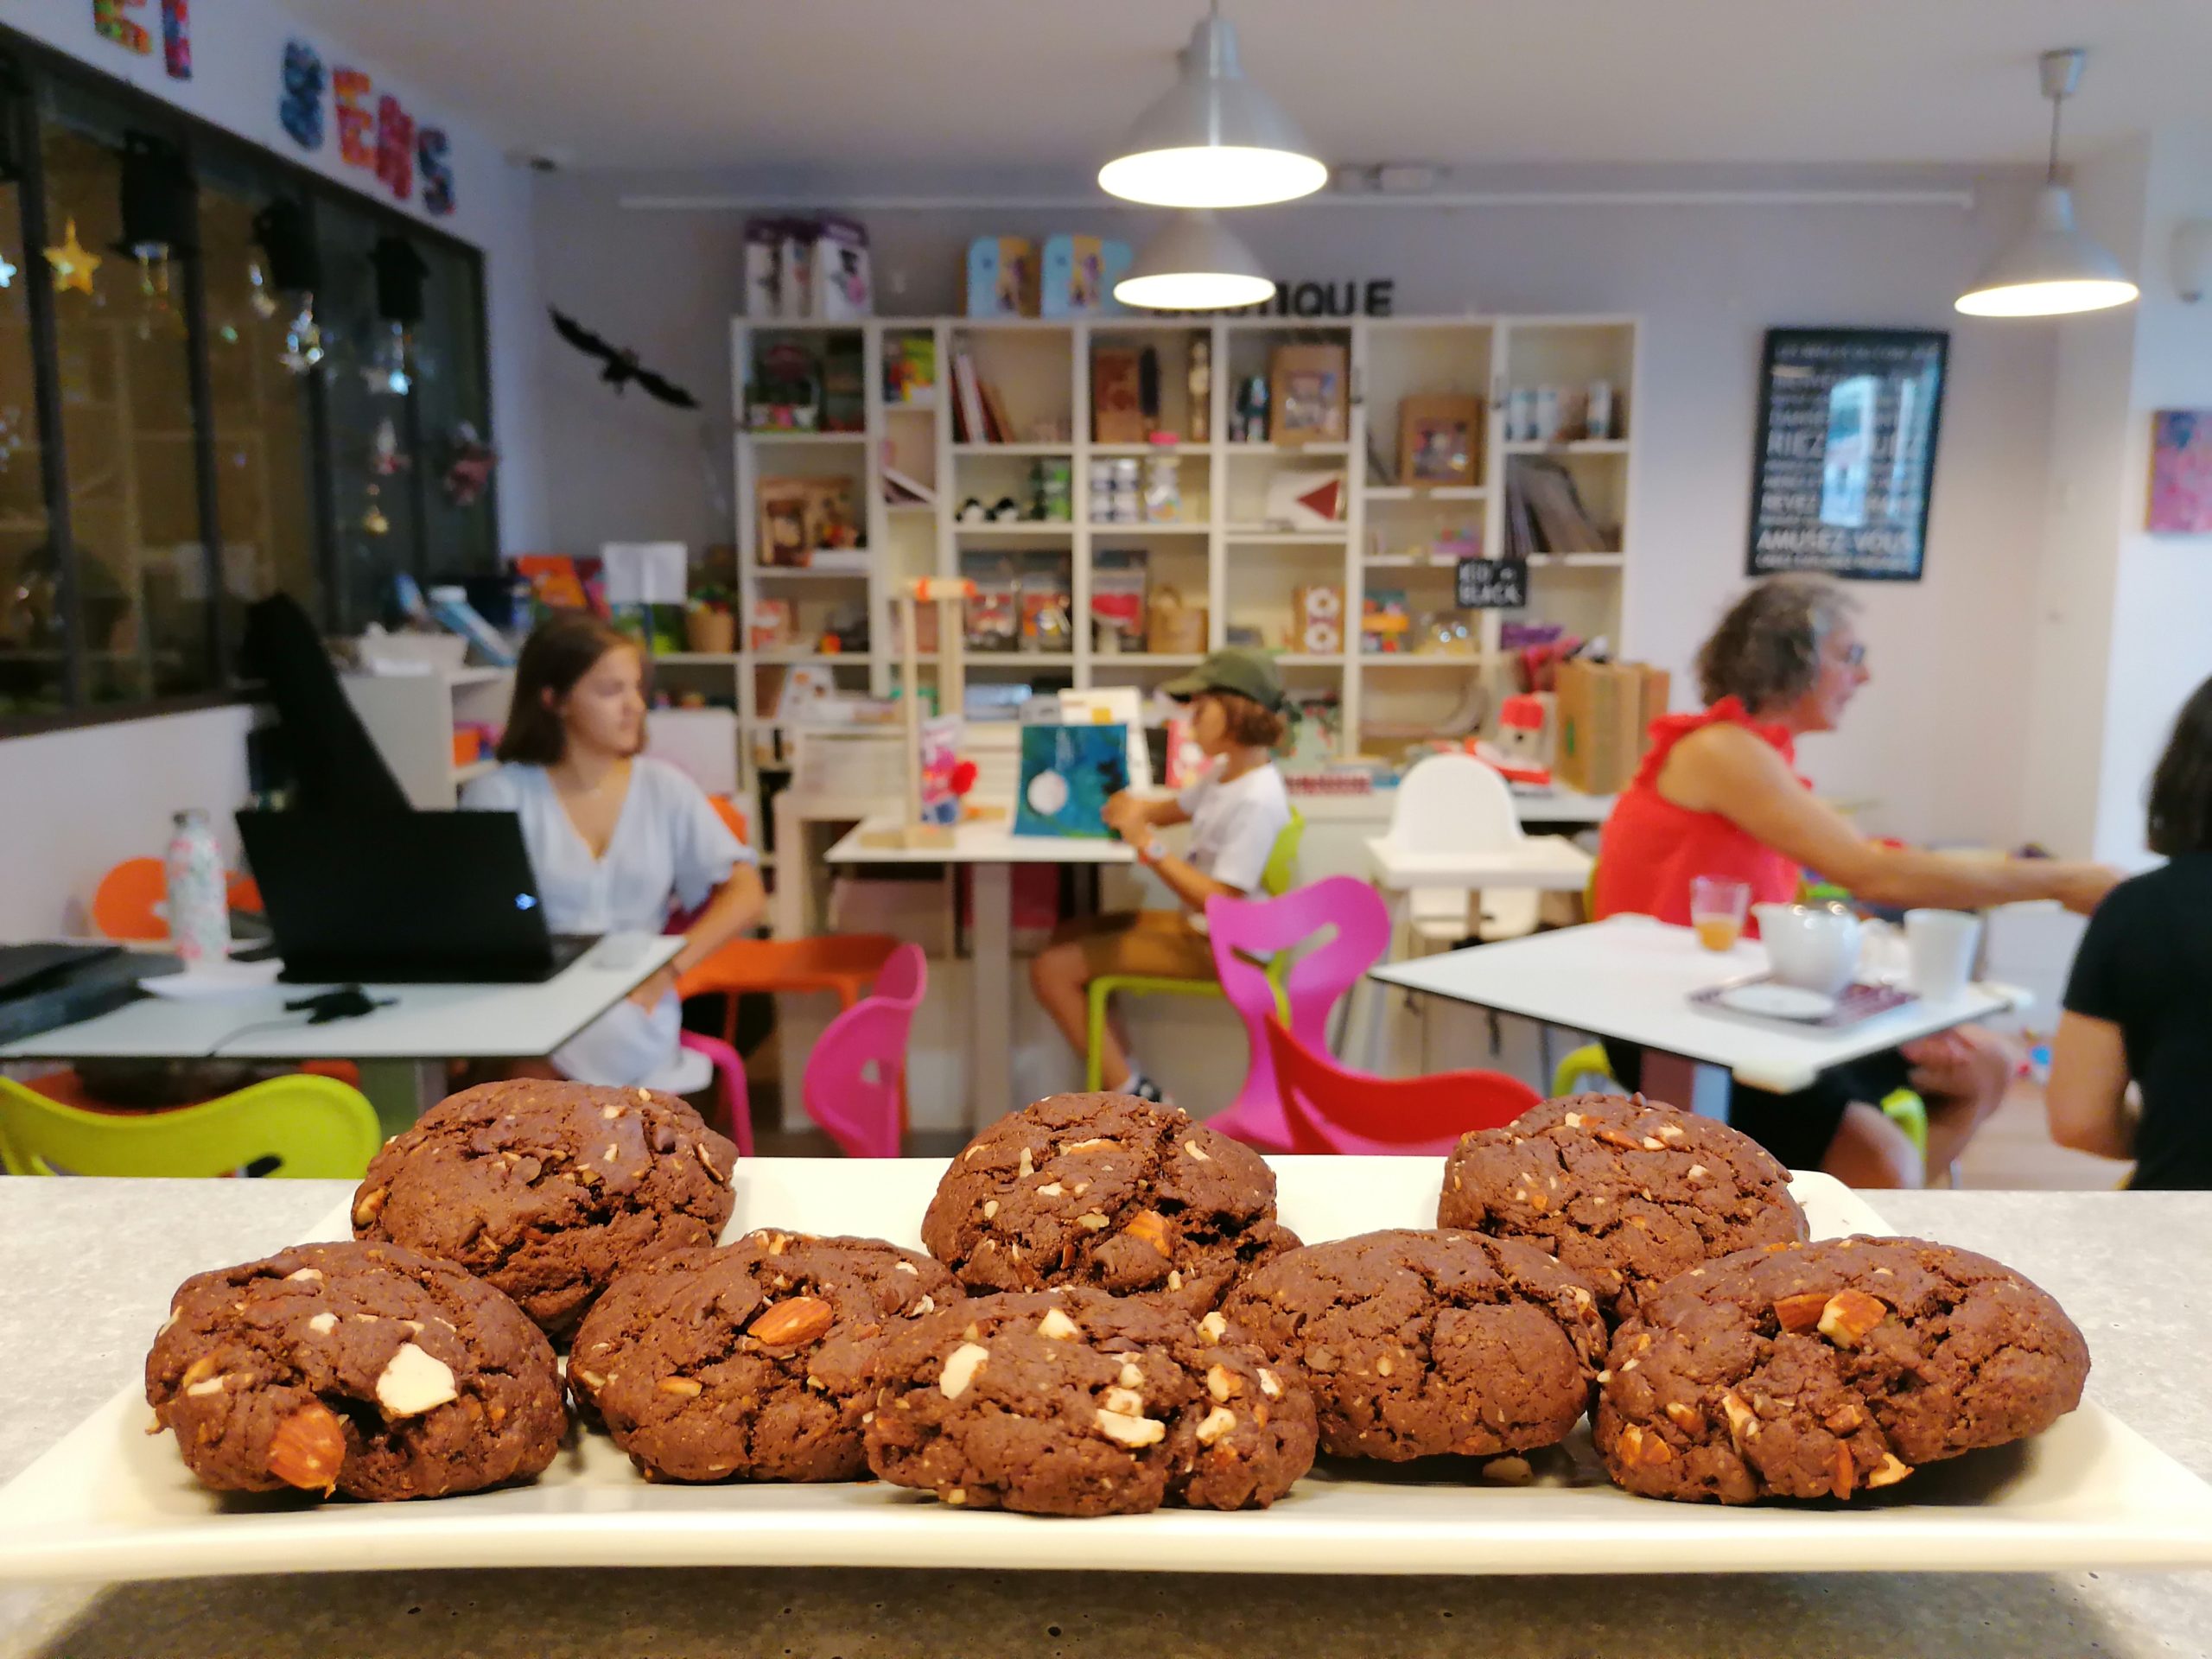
(2162, 600)
(2124, 619)
(1706, 281)
(2084, 501)
(74, 804)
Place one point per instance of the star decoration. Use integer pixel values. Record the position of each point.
(7, 272)
(73, 263)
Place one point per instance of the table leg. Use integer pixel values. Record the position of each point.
(990, 948)
(1695, 1085)
(402, 1091)
(1377, 993)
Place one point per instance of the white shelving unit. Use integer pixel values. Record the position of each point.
(410, 718)
(1242, 568)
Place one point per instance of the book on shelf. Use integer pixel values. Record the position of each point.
(994, 415)
(901, 490)
(968, 409)
(1544, 512)
(979, 414)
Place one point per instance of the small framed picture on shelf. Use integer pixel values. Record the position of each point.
(785, 538)
(1308, 394)
(1440, 439)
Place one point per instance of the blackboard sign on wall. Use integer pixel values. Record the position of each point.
(1847, 451)
(1490, 584)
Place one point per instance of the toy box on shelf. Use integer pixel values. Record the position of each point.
(807, 269)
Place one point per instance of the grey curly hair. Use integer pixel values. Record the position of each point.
(1767, 649)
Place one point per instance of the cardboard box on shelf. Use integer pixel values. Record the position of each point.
(1605, 710)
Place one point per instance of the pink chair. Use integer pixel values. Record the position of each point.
(729, 1072)
(1329, 1109)
(865, 1115)
(1246, 934)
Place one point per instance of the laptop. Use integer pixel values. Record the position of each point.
(414, 898)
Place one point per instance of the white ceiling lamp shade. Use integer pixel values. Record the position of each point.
(2055, 270)
(1214, 139)
(1195, 265)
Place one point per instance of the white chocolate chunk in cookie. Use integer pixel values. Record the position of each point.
(413, 1381)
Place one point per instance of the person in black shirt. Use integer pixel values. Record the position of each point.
(2139, 1003)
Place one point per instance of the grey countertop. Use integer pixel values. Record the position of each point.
(86, 1267)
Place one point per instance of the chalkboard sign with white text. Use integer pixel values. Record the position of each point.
(1846, 455)
(1490, 584)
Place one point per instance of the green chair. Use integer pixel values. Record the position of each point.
(1902, 1107)
(1280, 876)
(316, 1129)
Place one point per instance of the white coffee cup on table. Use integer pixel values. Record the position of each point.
(1941, 944)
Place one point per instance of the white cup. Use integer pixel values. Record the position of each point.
(1941, 944)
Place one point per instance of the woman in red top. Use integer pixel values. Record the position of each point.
(1719, 795)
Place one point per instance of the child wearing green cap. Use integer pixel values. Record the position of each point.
(1236, 808)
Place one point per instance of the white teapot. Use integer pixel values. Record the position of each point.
(1812, 946)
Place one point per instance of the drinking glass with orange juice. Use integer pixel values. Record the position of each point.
(1718, 906)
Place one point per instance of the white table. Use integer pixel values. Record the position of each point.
(1632, 978)
(1560, 805)
(990, 851)
(402, 1049)
(1536, 863)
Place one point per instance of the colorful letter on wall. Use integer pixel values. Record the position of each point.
(301, 108)
(177, 39)
(395, 147)
(349, 90)
(110, 24)
(430, 147)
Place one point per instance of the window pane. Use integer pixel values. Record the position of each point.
(264, 496)
(372, 459)
(31, 632)
(448, 391)
(134, 495)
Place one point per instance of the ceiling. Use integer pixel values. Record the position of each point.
(1051, 83)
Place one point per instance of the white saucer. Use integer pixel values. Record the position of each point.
(1777, 1001)
(214, 979)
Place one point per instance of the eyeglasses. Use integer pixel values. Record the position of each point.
(1854, 655)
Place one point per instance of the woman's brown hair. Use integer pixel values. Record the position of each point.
(1247, 722)
(1766, 651)
(2181, 789)
(560, 651)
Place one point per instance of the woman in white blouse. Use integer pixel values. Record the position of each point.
(618, 841)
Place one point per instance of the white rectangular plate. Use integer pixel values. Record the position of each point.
(110, 1502)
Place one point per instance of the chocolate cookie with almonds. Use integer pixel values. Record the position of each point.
(1108, 1191)
(548, 1190)
(1072, 1401)
(755, 1361)
(1626, 1191)
(1830, 1370)
(361, 1369)
(1419, 1343)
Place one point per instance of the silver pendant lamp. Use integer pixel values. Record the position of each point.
(1195, 264)
(2054, 269)
(1213, 139)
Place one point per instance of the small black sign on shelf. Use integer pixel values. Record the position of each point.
(1490, 584)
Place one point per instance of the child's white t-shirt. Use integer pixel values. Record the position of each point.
(1234, 825)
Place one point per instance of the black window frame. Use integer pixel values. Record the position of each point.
(26, 66)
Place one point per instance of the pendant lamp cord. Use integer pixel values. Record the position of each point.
(2050, 168)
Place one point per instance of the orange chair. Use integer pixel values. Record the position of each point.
(843, 963)
(127, 904)
(1329, 1109)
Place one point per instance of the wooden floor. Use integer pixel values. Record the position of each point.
(2014, 1152)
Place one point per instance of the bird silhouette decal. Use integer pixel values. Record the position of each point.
(622, 365)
